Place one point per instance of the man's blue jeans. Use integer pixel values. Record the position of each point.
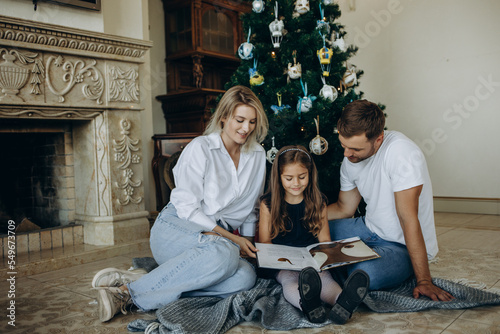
(190, 264)
(394, 265)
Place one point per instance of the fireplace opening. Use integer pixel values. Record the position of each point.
(37, 176)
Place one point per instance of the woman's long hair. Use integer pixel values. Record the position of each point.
(314, 200)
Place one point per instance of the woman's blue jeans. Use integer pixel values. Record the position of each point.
(190, 263)
(394, 265)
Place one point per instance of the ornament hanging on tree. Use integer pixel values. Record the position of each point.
(328, 92)
(305, 103)
(328, 2)
(256, 79)
(322, 25)
(279, 107)
(318, 145)
(258, 6)
(301, 7)
(338, 41)
(245, 51)
(349, 79)
(276, 28)
(295, 71)
(271, 154)
(325, 58)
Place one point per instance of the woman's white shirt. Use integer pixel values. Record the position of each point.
(209, 188)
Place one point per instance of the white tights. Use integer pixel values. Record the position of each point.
(289, 280)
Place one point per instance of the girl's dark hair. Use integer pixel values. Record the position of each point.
(361, 117)
(314, 200)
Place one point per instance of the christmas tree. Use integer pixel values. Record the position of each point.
(295, 60)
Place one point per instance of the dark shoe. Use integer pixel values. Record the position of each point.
(310, 291)
(355, 290)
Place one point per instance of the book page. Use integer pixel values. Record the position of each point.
(284, 257)
(341, 252)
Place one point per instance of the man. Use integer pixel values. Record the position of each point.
(389, 172)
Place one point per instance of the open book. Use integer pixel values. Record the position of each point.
(320, 256)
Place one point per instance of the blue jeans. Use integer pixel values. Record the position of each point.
(394, 265)
(190, 264)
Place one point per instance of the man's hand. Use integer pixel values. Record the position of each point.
(426, 288)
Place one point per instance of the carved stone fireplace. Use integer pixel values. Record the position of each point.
(81, 89)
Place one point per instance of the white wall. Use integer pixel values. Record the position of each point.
(435, 64)
(124, 18)
(55, 14)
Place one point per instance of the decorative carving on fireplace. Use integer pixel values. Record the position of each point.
(68, 40)
(123, 85)
(13, 77)
(49, 114)
(90, 82)
(124, 153)
(75, 73)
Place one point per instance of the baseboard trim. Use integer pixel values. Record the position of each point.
(477, 205)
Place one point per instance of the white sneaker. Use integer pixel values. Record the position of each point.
(112, 300)
(116, 277)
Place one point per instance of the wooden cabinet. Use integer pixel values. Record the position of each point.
(202, 39)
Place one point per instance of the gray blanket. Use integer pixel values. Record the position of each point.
(265, 303)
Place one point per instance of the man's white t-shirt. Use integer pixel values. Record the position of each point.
(399, 164)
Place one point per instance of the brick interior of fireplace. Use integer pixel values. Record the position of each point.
(37, 177)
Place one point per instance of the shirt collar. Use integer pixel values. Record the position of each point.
(215, 141)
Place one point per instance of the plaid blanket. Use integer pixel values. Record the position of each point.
(265, 303)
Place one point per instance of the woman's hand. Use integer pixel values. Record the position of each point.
(247, 248)
(246, 243)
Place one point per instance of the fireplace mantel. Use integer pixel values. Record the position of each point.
(51, 72)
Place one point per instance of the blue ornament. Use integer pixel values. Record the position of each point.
(245, 51)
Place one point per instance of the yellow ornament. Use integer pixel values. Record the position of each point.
(325, 58)
(257, 79)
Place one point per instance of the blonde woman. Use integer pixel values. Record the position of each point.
(219, 177)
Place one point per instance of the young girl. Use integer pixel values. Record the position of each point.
(293, 213)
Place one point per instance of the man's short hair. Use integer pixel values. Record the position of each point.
(361, 117)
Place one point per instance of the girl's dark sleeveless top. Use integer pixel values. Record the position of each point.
(298, 234)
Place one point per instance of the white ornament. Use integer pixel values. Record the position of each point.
(271, 154)
(258, 6)
(349, 79)
(245, 51)
(328, 2)
(318, 145)
(328, 92)
(338, 41)
(305, 103)
(295, 71)
(276, 28)
(322, 24)
(301, 7)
